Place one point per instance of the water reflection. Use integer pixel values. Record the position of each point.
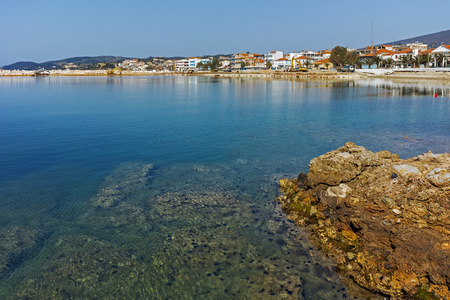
(398, 88)
(200, 220)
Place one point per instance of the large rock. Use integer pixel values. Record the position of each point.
(384, 220)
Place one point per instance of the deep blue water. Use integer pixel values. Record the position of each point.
(62, 139)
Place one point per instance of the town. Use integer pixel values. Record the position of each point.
(372, 57)
(415, 55)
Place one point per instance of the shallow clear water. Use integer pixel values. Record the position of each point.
(163, 187)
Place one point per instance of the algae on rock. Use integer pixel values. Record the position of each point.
(384, 220)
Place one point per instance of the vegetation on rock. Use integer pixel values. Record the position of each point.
(384, 220)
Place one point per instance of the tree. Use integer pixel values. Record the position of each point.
(425, 59)
(307, 63)
(351, 58)
(369, 61)
(242, 65)
(416, 61)
(377, 60)
(405, 60)
(200, 65)
(215, 63)
(269, 65)
(388, 63)
(338, 55)
(438, 59)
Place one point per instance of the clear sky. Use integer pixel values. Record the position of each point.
(42, 30)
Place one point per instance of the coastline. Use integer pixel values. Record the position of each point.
(382, 219)
(422, 74)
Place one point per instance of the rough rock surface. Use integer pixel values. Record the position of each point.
(384, 220)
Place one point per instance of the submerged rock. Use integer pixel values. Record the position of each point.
(16, 243)
(384, 220)
(121, 184)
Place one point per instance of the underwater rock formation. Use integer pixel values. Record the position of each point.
(120, 184)
(16, 243)
(385, 221)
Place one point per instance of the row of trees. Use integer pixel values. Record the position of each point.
(341, 57)
(407, 60)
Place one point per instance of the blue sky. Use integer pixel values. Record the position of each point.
(43, 30)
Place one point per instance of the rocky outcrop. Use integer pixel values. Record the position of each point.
(384, 220)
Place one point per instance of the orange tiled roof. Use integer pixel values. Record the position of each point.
(368, 55)
(383, 51)
(428, 51)
(302, 57)
(322, 61)
(403, 51)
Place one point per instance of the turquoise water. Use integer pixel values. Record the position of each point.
(163, 187)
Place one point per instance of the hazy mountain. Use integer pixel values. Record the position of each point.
(432, 40)
(84, 60)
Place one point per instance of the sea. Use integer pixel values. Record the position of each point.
(165, 187)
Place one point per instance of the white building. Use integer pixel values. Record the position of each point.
(281, 63)
(273, 56)
(313, 56)
(194, 61)
(182, 65)
(445, 51)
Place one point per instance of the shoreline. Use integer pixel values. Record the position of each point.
(422, 74)
(382, 219)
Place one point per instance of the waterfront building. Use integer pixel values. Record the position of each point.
(182, 65)
(248, 59)
(445, 51)
(281, 63)
(194, 61)
(323, 64)
(273, 56)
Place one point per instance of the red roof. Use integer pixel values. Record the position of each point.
(322, 61)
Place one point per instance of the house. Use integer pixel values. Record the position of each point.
(281, 63)
(298, 61)
(367, 60)
(399, 56)
(445, 51)
(325, 54)
(272, 56)
(323, 64)
(246, 59)
(182, 65)
(194, 61)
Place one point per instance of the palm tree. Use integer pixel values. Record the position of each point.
(405, 60)
(438, 57)
(369, 61)
(388, 62)
(416, 61)
(425, 59)
(307, 63)
(377, 60)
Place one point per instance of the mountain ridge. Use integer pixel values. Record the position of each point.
(433, 40)
(77, 60)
